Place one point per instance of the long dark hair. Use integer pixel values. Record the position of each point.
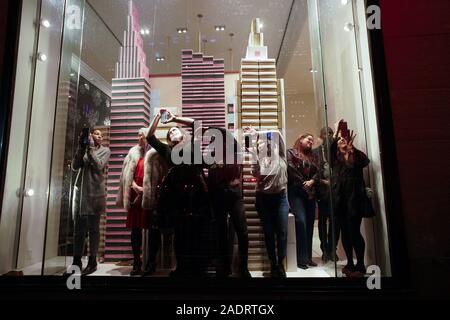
(298, 142)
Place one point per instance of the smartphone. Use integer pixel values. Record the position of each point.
(247, 141)
(165, 117)
(85, 136)
(269, 144)
(345, 133)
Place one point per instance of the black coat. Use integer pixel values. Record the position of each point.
(348, 189)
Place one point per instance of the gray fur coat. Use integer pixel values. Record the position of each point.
(155, 169)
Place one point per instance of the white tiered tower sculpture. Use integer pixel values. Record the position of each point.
(260, 104)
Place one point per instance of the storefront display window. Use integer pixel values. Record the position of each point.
(115, 87)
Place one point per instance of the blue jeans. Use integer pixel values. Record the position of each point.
(303, 210)
(273, 210)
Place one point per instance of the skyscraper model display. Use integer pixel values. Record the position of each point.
(203, 88)
(130, 111)
(260, 104)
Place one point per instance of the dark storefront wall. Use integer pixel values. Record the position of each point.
(417, 45)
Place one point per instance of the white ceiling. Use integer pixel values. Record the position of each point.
(105, 22)
(163, 17)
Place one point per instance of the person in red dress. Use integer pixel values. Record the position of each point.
(131, 194)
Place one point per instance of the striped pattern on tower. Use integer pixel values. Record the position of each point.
(203, 88)
(260, 104)
(130, 111)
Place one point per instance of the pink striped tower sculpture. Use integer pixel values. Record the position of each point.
(203, 88)
(130, 110)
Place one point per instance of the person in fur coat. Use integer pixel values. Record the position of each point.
(142, 173)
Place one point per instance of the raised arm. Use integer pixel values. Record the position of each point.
(153, 126)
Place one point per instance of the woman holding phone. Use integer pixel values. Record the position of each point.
(88, 201)
(184, 202)
(270, 170)
(349, 195)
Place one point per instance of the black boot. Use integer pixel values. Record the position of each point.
(91, 266)
(274, 271)
(149, 269)
(281, 271)
(244, 273)
(137, 264)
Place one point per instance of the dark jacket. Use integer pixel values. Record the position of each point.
(301, 170)
(321, 156)
(183, 190)
(349, 192)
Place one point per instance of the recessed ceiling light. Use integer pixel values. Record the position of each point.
(181, 30)
(160, 59)
(219, 28)
(145, 31)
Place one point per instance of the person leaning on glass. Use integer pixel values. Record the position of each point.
(270, 170)
(89, 200)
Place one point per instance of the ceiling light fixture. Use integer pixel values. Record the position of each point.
(181, 30)
(160, 59)
(145, 31)
(219, 28)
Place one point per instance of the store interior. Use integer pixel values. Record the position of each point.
(321, 53)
